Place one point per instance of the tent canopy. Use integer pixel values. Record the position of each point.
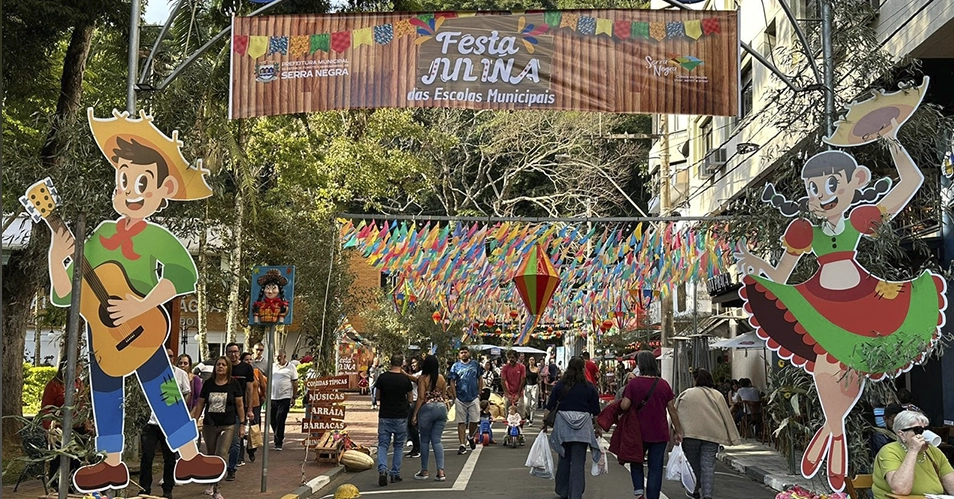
(745, 341)
(518, 349)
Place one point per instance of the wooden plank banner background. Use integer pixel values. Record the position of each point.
(623, 61)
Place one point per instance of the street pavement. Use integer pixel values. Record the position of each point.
(494, 471)
(498, 471)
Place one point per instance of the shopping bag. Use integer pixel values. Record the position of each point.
(599, 466)
(687, 475)
(679, 470)
(254, 437)
(540, 460)
(673, 468)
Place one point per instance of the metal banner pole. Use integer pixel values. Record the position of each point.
(269, 350)
(72, 347)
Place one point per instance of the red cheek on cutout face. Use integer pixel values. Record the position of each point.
(840, 192)
(147, 195)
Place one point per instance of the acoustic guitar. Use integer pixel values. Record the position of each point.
(119, 349)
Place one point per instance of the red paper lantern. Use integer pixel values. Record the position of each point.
(436, 316)
(490, 322)
(606, 325)
(549, 329)
(514, 314)
(498, 331)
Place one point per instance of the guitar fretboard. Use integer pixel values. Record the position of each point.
(56, 223)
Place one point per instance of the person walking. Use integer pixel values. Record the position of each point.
(244, 374)
(184, 362)
(514, 376)
(284, 391)
(393, 390)
(374, 370)
(648, 386)
(576, 401)
(430, 415)
(532, 390)
(260, 360)
(222, 400)
(592, 370)
(414, 436)
(151, 436)
(466, 385)
(254, 399)
(490, 380)
(706, 424)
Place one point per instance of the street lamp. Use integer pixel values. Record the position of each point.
(184, 339)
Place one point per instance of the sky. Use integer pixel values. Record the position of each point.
(157, 11)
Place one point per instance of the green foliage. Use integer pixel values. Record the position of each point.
(34, 382)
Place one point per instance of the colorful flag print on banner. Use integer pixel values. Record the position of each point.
(321, 42)
(340, 41)
(383, 34)
(278, 45)
(240, 44)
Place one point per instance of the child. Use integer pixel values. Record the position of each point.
(486, 420)
(513, 421)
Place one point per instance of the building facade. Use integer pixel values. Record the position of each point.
(714, 160)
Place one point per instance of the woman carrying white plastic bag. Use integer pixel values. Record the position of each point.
(540, 461)
(679, 469)
(599, 465)
(706, 424)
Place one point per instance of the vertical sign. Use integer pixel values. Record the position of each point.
(326, 411)
(273, 292)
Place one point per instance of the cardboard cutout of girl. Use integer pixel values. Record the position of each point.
(830, 324)
(271, 306)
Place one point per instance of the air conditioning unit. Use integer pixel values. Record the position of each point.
(715, 160)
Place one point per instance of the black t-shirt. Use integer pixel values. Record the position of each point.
(220, 408)
(393, 388)
(243, 373)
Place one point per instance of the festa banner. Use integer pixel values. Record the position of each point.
(622, 61)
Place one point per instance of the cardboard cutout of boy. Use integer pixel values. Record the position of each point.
(831, 323)
(131, 267)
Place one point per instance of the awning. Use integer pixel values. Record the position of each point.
(518, 349)
(744, 341)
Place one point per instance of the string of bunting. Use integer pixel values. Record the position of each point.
(425, 26)
(467, 270)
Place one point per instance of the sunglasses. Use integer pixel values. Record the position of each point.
(917, 430)
(259, 350)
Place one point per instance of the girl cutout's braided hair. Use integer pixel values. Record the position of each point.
(825, 163)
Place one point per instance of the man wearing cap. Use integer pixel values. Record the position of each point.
(150, 170)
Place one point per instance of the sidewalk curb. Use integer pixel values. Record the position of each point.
(777, 483)
(315, 485)
(311, 487)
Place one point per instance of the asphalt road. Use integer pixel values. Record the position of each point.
(498, 471)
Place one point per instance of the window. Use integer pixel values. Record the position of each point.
(705, 144)
(747, 91)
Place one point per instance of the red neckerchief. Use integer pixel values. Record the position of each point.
(123, 237)
(273, 304)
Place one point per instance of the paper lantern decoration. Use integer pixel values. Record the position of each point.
(514, 314)
(403, 296)
(606, 325)
(490, 322)
(536, 281)
(436, 316)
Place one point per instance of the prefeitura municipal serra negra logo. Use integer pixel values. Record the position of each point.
(265, 73)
